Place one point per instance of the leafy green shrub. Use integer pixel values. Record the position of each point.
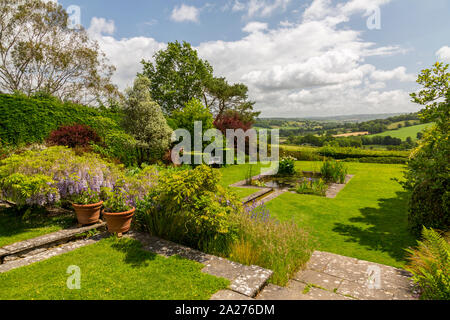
(428, 177)
(333, 171)
(287, 166)
(118, 145)
(310, 186)
(430, 266)
(117, 200)
(281, 246)
(189, 207)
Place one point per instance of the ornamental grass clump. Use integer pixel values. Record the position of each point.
(281, 246)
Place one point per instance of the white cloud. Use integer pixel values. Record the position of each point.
(259, 8)
(185, 13)
(444, 54)
(308, 68)
(238, 6)
(255, 27)
(101, 26)
(395, 74)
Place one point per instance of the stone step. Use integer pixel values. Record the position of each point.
(47, 254)
(245, 280)
(36, 245)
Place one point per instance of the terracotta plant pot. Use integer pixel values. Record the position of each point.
(89, 213)
(119, 222)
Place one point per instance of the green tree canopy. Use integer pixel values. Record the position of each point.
(40, 52)
(428, 169)
(144, 119)
(176, 76)
(193, 111)
(221, 97)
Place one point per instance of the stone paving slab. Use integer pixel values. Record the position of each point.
(360, 279)
(256, 195)
(64, 248)
(318, 261)
(246, 280)
(229, 295)
(321, 279)
(362, 292)
(46, 240)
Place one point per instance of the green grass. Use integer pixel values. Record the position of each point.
(367, 220)
(394, 125)
(111, 269)
(13, 228)
(404, 132)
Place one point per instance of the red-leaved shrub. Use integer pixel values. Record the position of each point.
(231, 120)
(73, 136)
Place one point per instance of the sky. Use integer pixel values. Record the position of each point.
(299, 58)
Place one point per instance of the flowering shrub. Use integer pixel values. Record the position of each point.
(43, 177)
(287, 166)
(188, 206)
(73, 136)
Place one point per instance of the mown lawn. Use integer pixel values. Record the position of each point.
(13, 228)
(111, 269)
(367, 220)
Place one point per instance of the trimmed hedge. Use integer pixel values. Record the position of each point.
(26, 120)
(387, 160)
(347, 154)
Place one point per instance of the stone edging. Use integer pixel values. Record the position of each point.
(36, 245)
(246, 281)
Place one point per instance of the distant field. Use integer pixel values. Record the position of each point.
(395, 124)
(405, 132)
(352, 134)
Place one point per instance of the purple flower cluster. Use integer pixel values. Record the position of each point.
(74, 183)
(257, 211)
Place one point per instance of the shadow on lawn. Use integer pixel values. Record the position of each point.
(134, 254)
(386, 227)
(12, 221)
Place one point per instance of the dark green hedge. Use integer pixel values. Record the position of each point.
(388, 160)
(27, 120)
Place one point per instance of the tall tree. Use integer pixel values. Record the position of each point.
(176, 76)
(428, 176)
(144, 119)
(219, 96)
(39, 52)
